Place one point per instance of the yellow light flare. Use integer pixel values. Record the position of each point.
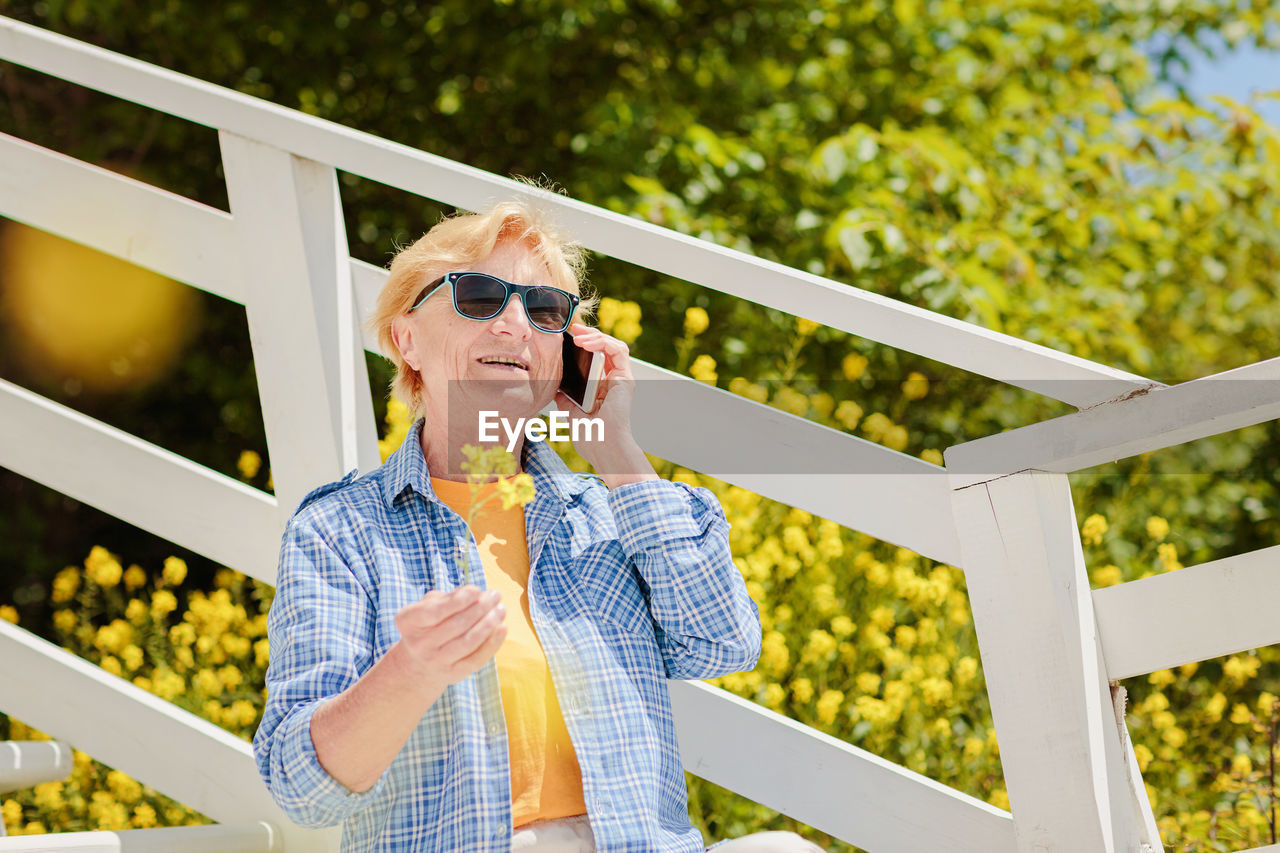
(80, 319)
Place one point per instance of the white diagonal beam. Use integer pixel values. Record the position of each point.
(1126, 427)
(858, 483)
(824, 782)
(138, 223)
(134, 480)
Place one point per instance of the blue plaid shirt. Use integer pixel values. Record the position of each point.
(629, 587)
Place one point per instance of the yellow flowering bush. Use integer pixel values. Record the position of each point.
(205, 651)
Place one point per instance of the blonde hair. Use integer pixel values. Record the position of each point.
(459, 242)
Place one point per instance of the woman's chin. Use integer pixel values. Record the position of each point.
(517, 401)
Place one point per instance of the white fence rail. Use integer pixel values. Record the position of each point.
(106, 467)
(173, 235)
(826, 783)
(1198, 613)
(222, 838)
(1152, 419)
(157, 743)
(26, 763)
(1001, 509)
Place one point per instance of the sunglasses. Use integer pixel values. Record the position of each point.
(480, 296)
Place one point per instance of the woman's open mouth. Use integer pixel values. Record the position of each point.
(505, 361)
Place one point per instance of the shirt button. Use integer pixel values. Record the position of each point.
(494, 729)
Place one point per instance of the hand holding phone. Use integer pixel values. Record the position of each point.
(601, 369)
(580, 381)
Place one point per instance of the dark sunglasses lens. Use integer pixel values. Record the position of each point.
(479, 296)
(549, 309)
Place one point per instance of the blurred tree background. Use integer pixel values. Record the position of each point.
(1015, 164)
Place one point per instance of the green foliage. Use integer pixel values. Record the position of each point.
(1010, 164)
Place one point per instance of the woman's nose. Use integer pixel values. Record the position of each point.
(513, 319)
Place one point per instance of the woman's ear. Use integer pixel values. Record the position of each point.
(402, 337)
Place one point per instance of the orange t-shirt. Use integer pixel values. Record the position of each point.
(545, 779)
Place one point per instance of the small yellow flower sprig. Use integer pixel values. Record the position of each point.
(492, 464)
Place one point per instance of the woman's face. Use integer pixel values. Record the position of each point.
(504, 364)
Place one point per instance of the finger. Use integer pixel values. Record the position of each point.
(428, 610)
(600, 342)
(615, 376)
(438, 605)
(586, 333)
(458, 624)
(593, 339)
(617, 355)
(567, 404)
(488, 649)
(591, 343)
(474, 637)
(617, 358)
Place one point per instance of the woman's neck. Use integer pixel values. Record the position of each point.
(442, 449)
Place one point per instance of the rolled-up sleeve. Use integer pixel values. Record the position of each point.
(320, 635)
(678, 539)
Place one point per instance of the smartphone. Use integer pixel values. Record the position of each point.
(582, 371)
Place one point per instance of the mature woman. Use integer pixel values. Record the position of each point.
(502, 686)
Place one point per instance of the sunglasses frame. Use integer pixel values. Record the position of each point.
(521, 290)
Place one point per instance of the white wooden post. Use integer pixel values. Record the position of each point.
(311, 374)
(1071, 782)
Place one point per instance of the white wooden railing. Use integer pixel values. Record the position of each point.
(1001, 510)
